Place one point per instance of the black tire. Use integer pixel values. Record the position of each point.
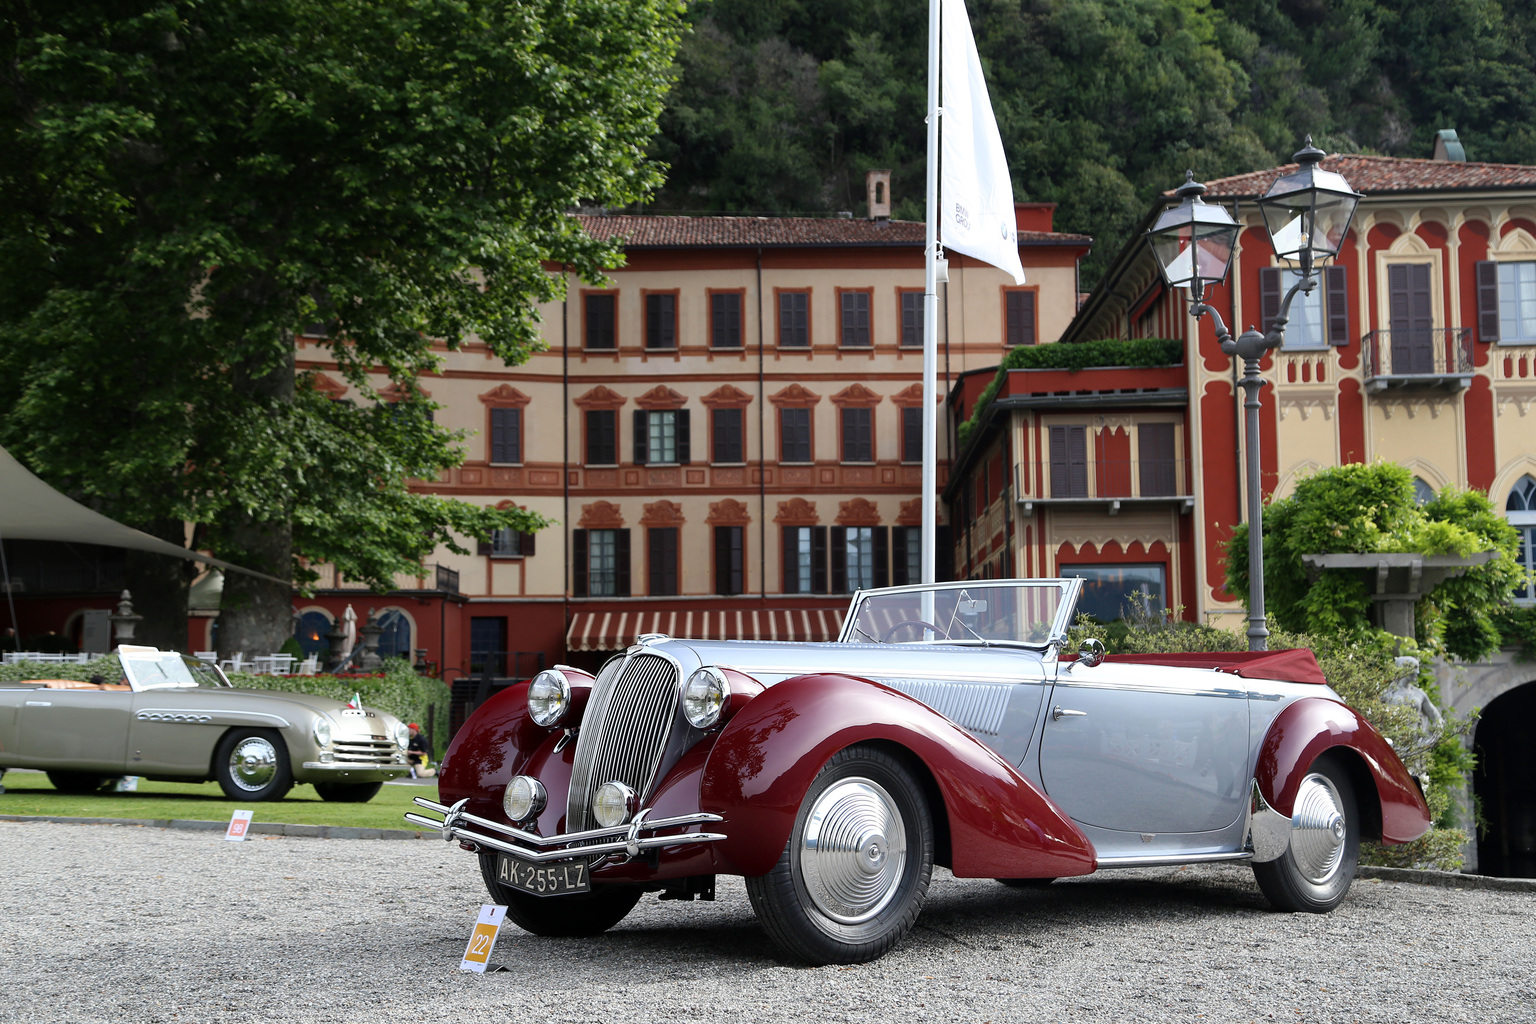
(1315, 872)
(78, 783)
(561, 917)
(252, 764)
(851, 903)
(1026, 883)
(348, 792)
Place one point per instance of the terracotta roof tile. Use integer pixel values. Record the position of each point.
(661, 232)
(1377, 175)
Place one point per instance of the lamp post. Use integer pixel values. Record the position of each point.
(1307, 214)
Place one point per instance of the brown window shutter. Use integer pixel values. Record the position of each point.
(1487, 301)
(839, 559)
(578, 563)
(1269, 297)
(621, 563)
(789, 551)
(1336, 284)
(483, 548)
(642, 445)
(527, 544)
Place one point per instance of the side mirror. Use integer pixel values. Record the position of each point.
(1090, 653)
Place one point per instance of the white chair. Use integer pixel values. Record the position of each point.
(310, 665)
(282, 664)
(234, 663)
(211, 657)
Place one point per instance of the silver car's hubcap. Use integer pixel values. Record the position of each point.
(854, 850)
(253, 763)
(1318, 830)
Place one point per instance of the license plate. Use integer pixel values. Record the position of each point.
(542, 879)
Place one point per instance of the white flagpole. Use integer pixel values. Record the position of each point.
(931, 307)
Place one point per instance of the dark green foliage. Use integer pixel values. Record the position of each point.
(783, 105)
(1074, 357)
(1371, 508)
(1517, 628)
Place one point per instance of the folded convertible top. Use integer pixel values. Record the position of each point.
(1295, 666)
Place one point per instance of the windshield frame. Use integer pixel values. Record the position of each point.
(149, 668)
(1070, 588)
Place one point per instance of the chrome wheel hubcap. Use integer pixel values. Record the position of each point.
(1318, 830)
(253, 763)
(854, 850)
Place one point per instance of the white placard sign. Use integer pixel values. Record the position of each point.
(483, 939)
(239, 825)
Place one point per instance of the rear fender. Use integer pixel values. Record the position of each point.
(1311, 726)
(766, 758)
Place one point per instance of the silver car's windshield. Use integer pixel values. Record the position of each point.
(1031, 612)
(150, 669)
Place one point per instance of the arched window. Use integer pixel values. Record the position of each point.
(395, 640)
(1422, 492)
(310, 631)
(1521, 510)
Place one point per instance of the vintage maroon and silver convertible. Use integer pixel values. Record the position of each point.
(949, 724)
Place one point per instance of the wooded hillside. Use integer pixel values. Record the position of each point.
(784, 104)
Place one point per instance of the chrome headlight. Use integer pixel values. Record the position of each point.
(549, 697)
(705, 696)
(613, 803)
(322, 731)
(525, 798)
(402, 735)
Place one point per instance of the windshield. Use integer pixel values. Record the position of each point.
(1033, 612)
(149, 669)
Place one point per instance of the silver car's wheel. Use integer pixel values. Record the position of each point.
(853, 876)
(1316, 870)
(252, 764)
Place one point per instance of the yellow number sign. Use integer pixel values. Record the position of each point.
(482, 940)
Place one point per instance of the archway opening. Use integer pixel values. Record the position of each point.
(1505, 785)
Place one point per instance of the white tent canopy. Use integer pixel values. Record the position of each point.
(31, 510)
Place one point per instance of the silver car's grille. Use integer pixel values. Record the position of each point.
(624, 732)
(355, 751)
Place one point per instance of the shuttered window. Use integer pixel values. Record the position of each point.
(858, 435)
(662, 437)
(1158, 466)
(600, 563)
(912, 434)
(804, 551)
(1316, 320)
(728, 441)
(912, 319)
(1019, 310)
(725, 320)
(600, 320)
(662, 560)
(1513, 303)
(855, 319)
(661, 321)
(1411, 317)
(794, 435)
(730, 560)
(794, 319)
(602, 437)
(1069, 462)
(507, 435)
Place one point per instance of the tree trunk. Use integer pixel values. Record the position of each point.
(256, 615)
(159, 585)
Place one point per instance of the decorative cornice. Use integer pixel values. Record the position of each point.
(797, 512)
(505, 396)
(911, 513)
(856, 396)
(662, 513)
(600, 397)
(394, 392)
(327, 385)
(796, 396)
(601, 515)
(729, 512)
(911, 395)
(726, 396)
(857, 512)
(661, 397)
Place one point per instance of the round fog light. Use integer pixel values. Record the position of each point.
(524, 798)
(613, 803)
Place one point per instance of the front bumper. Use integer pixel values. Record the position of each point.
(621, 842)
(333, 771)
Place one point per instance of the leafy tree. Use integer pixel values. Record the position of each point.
(1371, 508)
(186, 181)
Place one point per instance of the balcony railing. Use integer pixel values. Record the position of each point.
(1418, 358)
(438, 578)
(1102, 481)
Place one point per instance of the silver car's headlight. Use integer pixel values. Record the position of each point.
(705, 696)
(613, 803)
(322, 731)
(402, 735)
(549, 697)
(525, 798)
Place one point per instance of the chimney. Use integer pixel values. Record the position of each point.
(878, 185)
(1448, 147)
(1034, 216)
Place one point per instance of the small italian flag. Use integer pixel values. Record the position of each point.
(356, 701)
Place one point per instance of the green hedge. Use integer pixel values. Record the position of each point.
(1073, 357)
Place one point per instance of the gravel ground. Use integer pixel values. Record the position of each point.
(130, 924)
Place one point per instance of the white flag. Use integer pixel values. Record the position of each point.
(976, 196)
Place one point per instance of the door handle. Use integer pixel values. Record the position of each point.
(39, 703)
(1058, 713)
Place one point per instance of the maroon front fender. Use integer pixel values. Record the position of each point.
(489, 748)
(1309, 727)
(758, 773)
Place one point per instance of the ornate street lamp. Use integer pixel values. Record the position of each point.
(1307, 213)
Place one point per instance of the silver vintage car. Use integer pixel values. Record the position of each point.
(949, 724)
(172, 718)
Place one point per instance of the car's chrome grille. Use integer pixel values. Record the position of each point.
(354, 751)
(623, 732)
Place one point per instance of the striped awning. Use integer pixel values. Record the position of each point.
(616, 630)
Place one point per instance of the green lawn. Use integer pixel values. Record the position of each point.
(30, 793)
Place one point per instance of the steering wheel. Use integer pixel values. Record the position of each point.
(886, 636)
